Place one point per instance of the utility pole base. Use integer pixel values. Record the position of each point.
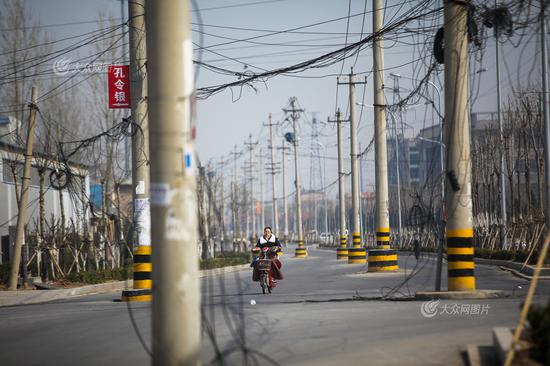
(301, 251)
(382, 260)
(143, 270)
(356, 240)
(357, 256)
(342, 252)
(460, 257)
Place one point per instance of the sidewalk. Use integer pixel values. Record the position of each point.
(26, 297)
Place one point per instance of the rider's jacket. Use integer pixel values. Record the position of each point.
(272, 241)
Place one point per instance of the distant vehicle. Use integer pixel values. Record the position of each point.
(325, 238)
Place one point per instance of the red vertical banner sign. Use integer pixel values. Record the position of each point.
(119, 86)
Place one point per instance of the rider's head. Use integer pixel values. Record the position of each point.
(267, 231)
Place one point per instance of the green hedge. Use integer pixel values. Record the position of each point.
(100, 276)
(511, 255)
(225, 259)
(4, 273)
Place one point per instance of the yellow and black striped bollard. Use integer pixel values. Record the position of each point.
(357, 255)
(143, 271)
(342, 251)
(357, 240)
(382, 260)
(383, 238)
(301, 251)
(460, 258)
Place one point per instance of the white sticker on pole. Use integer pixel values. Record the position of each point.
(142, 221)
(189, 160)
(187, 65)
(140, 188)
(160, 194)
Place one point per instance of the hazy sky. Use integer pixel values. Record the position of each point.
(227, 118)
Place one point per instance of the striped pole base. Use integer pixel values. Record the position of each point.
(301, 251)
(383, 238)
(460, 258)
(381, 259)
(342, 253)
(356, 240)
(357, 255)
(143, 271)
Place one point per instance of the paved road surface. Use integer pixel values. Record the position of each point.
(323, 313)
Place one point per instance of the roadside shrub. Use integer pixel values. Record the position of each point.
(225, 259)
(100, 276)
(4, 272)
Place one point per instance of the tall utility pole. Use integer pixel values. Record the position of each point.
(235, 206)
(503, 224)
(460, 232)
(342, 251)
(141, 239)
(380, 149)
(301, 250)
(396, 98)
(355, 214)
(275, 213)
(382, 258)
(176, 315)
(222, 206)
(261, 177)
(545, 112)
(24, 198)
(250, 145)
(285, 199)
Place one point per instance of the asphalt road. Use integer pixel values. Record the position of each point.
(324, 313)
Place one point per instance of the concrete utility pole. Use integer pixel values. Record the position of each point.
(251, 145)
(355, 199)
(342, 251)
(234, 195)
(503, 224)
(24, 199)
(545, 111)
(261, 174)
(222, 206)
(285, 199)
(460, 232)
(380, 148)
(382, 258)
(301, 250)
(141, 238)
(203, 217)
(396, 98)
(275, 213)
(176, 316)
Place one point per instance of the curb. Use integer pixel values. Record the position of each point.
(28, 297)
(516, 268)
(460, 295)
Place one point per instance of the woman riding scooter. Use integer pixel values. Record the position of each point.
(268, 240)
